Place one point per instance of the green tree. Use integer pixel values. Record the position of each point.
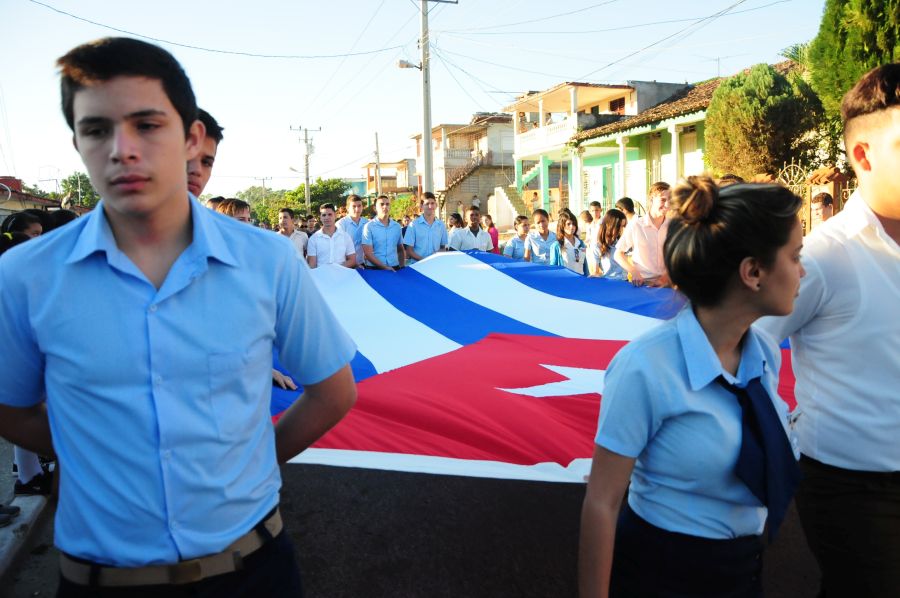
(404, 205)
(77, 187)
(758, 120)
(321, 191)
(264, 203)
(854, 37)
(38, 192)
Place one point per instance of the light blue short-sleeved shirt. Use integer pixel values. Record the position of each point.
(384, 240)
(541, 250)
(610, 267)
(355, 230)
(158, 400)
(662, 406)
(424, 238)
(515, 248)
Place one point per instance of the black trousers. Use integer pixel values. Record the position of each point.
(270, 572)
(852, 524)
(649, 561)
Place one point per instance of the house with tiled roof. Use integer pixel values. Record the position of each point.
(623, 158)
(662, 143)
(469, 159)
(13, 198)
(545, 123)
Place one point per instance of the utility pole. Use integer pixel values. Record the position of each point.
(263, 179)
(308, 149)
(377, 166)
(427, 149)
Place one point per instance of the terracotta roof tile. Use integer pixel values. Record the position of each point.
(691, 99)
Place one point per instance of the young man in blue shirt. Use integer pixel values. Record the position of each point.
(427, 234)
(159, 418)
(382, 241)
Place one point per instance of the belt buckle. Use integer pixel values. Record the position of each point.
(185, 572)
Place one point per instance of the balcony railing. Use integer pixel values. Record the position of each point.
(545, 138)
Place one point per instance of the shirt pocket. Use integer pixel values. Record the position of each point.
(237, 388)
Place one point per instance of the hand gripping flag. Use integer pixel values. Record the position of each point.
(474, 364)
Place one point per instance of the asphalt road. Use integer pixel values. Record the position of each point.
(372, 533)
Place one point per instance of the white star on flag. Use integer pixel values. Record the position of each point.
(580, 381)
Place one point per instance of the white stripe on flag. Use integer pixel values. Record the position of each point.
(480, 283)
(387, 337)
(576, 472)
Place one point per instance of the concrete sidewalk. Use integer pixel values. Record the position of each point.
(16, 538)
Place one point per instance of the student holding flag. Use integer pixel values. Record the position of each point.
(691, 418)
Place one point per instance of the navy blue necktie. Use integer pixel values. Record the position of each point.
(766, 462)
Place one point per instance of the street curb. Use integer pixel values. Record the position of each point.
(16, 538)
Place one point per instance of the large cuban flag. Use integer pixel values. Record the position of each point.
(473, 364)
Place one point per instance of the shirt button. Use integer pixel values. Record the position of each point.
(153, 308)
(157, 380)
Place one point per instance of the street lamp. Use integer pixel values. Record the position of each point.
(427, 156)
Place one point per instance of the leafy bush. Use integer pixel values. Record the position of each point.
(758, 120)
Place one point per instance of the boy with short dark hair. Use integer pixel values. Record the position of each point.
(845, 342)
(200, 166)
(149, 404)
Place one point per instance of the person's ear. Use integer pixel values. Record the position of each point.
(193, 140)
(750, 274)
(860, 154)
(74, 142)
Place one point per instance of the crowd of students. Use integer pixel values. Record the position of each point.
(342, 234)
(165, 430)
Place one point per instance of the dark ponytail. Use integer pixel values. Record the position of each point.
(712, 230)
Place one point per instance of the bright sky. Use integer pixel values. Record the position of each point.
(485, 52)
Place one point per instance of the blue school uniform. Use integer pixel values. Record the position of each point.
(515, 248)
(541, 250)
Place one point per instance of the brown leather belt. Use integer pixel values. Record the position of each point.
(227, 561)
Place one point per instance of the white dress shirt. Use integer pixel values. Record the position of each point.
(845, 340)
(462, 239)
(332, 249)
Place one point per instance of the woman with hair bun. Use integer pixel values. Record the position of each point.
(691, 422)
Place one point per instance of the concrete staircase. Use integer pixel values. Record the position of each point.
(508, 205)
(531, 173)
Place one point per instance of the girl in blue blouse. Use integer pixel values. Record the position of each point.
(608, 234)
(515, 247)
(568, 249)
(676, 403)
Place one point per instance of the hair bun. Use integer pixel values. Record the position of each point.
(694, 199)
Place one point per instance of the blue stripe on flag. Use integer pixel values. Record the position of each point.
(441, 309)
(282, 398)
(560, 282)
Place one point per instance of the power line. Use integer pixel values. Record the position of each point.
(542, 19)
(475, 79)
(506, 66)
(463, 32)
(215, 50)
(368, 62)
(8, 138)
(344, 59)
(699, 23)
(449, 72)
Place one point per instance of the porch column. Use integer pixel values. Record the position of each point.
(623, 157)
(576, 181)
(675, 169)
(545, 182)
(518, 175)
(573, 102)
(542, 119)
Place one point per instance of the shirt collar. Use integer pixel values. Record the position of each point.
(702, 363)
(97, 236)
(859, 215)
